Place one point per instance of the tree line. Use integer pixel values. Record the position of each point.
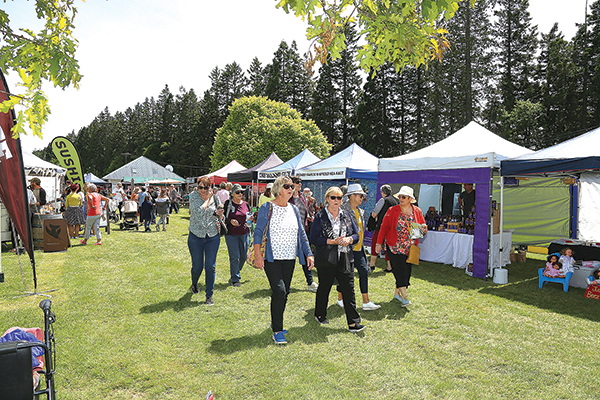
(533, 89)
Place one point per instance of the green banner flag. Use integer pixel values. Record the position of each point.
(68, 158)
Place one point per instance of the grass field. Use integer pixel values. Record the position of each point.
(128, 328)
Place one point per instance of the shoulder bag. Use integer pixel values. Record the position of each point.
(263, 243)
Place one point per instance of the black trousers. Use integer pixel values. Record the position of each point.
(279, 273)
(400, 268)
(328, 273)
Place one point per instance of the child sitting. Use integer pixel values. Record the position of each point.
(551, 271)
(596, 275)
(567, 260)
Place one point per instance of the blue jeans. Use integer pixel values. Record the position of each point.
(360, 263)
(162, 220)
(204, 256)
(237, 246)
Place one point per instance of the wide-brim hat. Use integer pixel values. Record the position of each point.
(235, 188)
(407, 191)
(355, 188)
(270, 185)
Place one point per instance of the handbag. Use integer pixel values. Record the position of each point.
(220, 223)
(250, 259)
(371, 224)
(413, 255)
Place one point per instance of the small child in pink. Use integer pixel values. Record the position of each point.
(551, 271)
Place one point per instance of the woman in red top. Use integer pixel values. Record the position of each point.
(94, 213)
(396, 232)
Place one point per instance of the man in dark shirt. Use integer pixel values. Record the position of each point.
(38, 191)
(466, 200)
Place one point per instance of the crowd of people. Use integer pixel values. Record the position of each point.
(291, 226)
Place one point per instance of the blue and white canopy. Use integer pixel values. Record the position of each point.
(306, 157)
(352, 162)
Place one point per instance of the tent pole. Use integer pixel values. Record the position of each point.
(501, 210)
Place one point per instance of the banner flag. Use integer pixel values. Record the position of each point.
(68, 158)
(13, 189)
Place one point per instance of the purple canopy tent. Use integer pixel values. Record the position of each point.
(473, 155)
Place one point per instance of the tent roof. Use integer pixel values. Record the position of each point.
(251, 174)
(304, 158)
(473, 146)
(232, 167)
(36, 166)
(91, 178)
(574, 155)
(142, 169)
(352, 162)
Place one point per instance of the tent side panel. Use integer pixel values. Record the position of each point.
(526, 167)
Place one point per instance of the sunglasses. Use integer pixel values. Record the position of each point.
(297, 182)
(404, 197)
(288, 186)
(335, 197)
(203, 187)
(238, 192)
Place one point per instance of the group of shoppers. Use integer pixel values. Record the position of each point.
(336, 232)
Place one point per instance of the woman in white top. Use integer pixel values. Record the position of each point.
(286, 240)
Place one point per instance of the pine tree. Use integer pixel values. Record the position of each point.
(256, 79)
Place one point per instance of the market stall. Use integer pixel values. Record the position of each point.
(288, 168)
(250, 176)
(472, 155)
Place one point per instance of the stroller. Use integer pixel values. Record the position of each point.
(19, 379)
(112, 211)
(130, 218)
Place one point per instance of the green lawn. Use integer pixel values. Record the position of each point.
(128, 328)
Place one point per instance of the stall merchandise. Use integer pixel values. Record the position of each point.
(472, 155)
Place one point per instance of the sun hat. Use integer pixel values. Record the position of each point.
(407, 191)
(270, 185)
(235, 188)
(355, 188)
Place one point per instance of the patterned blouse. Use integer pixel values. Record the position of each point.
(203, 221)
(404, 241)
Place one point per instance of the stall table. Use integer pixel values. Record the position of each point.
(456, 249)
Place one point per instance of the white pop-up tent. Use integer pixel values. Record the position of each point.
(577, 158)
(49, 174)
(469, 155)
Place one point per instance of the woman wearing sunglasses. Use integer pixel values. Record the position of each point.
(396, 232)
(286, 240)
(333, 233)
(236, 215)
(203, 238)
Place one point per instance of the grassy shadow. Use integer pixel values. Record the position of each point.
(181, 304)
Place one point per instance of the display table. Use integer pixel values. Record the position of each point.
(456, 249)
(587, 251)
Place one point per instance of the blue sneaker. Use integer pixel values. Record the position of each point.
(279, 338)
(406, 302)
(397, 297)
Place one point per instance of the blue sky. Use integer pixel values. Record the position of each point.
(129, 49)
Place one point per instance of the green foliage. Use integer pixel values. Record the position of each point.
(47, 55)
(257, 126)
(402, 33)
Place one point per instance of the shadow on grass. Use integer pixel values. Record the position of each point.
(182, 304)
(523, 287)
(265, 293)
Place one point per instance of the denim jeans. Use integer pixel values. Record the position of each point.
(360, 263)
(93, 220)
(204, 256)
(162, 220)
(237, 246)
(279, 273)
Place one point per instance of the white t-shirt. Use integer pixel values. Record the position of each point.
(283, 230)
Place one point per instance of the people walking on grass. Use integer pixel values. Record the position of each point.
(94, 213)
(333, 234)
(267, 195)
(381, 207)
(203, 238)
(223, 193)
(146, 212)
(356, 195)
(301, 203)
(163, 204)
(396, 232)
(236, 212)
(73, 211)
(174, 196)
(120, 196)
(286, 240)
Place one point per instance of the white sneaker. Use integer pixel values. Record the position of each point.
(370, 306)
(313, 287)
(341, 303)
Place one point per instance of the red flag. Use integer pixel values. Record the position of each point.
(13, 189)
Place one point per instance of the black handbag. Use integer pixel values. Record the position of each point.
(371, 224)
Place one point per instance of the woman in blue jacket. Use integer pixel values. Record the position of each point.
(286, 240)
